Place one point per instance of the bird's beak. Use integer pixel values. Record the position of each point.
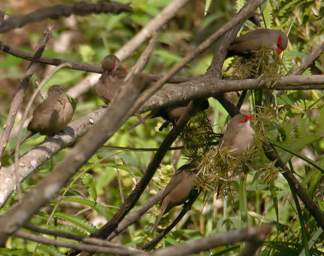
(278, 52)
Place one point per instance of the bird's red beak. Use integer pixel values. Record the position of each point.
(246, 118)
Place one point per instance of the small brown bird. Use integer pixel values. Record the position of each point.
(239, 135)
(172, 114)
(54, 113)
(111, 79)
(177, 190)
(258, 39)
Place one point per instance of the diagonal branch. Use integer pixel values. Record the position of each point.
(57, 11)
(309, 59)
(186, 207)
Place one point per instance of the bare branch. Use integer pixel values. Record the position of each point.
(57, 11)
(80, 246)
(113, 118)
(144, 58)
(19, 95)
(309, 59)
(154, 25)
(207, 86)
(211, 242)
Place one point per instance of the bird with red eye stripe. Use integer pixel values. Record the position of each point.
(239, 136)
(259, 39)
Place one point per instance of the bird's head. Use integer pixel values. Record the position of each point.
(110, 63)
(282, 42)
(55, 90)
(245, 118)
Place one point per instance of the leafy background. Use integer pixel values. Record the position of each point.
(294, 123)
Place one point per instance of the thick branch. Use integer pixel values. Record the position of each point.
(115, 115)
(57, 11)
(204, 244)
(208, 86)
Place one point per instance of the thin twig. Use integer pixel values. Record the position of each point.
(186, 207)
(74, 64)
(80, 246)
(136, 214)
(144, 58)
(154, 25)
(204, 244)
(61, 10)
(20, 93)
(139, 149)
(309, 59)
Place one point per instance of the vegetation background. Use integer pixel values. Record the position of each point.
(296, 125)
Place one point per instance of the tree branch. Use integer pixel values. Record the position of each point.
(204, 244)
(57, 11)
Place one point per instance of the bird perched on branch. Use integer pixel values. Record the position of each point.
(239, 135)
(172, 114)
(112, 78)
(257, 39)
(178, 189)
(54, 113)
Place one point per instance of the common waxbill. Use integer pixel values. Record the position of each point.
(172, 114)
(239, 135)
(177, 190)
(54, 113)
(111, 78)
(258, 39)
